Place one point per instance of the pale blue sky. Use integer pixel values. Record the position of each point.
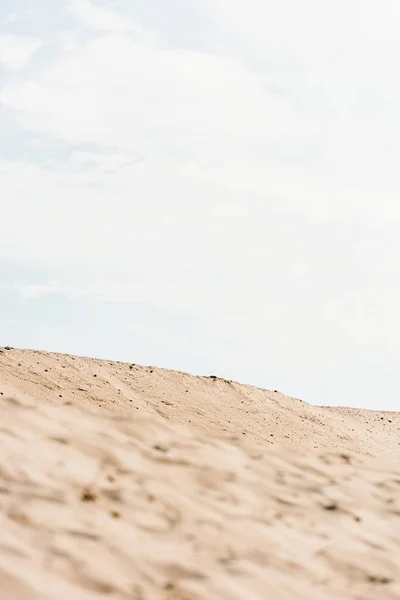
(207, 185)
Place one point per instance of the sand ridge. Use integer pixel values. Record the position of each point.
(208, 403)
(120, 481)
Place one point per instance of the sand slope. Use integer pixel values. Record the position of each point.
(120, 481)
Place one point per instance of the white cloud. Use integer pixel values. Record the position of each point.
(142, 98)
(313, 36)
(16, 50)
(335, 64)
(105, 162)
(100, 18)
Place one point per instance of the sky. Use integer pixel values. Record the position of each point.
(206, 185)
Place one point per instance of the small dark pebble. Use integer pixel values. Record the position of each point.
(160, 448)
(346, 458)
(379, 579)
(88, 496)
(331, 506)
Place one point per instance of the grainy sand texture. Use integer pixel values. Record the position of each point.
(126, 482)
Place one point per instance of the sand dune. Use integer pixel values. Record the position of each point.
(120, 481)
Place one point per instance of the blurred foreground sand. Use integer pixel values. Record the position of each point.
(119, 481)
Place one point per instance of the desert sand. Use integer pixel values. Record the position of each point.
(127, 482)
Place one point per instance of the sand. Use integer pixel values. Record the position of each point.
(120, 481)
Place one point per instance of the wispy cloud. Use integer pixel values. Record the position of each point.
(16, 50)
(100, 18)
